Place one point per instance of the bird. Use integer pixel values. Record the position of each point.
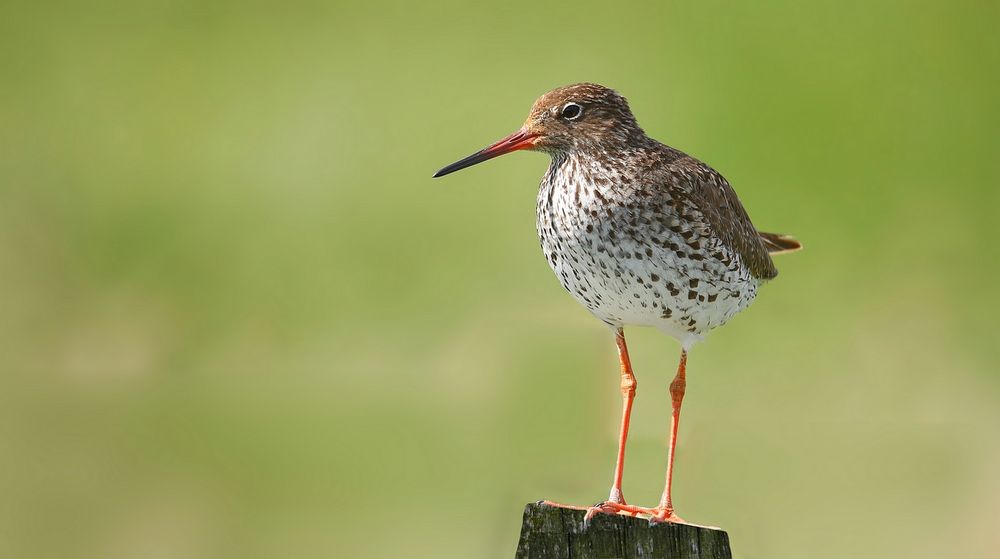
(641, 234)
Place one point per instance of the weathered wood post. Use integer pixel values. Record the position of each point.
(556, 533)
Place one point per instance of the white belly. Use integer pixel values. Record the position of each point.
(641, 276)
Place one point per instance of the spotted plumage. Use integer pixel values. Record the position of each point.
(632, 245)
(641, 233)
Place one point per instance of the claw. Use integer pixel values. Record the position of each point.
(598, 508)
(655, 515)
(665, 515)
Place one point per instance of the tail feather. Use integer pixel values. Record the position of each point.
(778, 244)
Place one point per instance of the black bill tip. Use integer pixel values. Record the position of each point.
(516, 141)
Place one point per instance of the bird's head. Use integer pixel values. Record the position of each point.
(576, 117)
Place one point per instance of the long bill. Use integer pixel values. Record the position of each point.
(516, 141)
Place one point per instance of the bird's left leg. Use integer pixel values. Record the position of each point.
(628, 386)
(664, 512)
(616, 501)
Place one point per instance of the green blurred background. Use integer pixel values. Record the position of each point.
(239, 319)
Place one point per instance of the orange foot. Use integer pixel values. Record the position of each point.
(655, 515)
(591, 511)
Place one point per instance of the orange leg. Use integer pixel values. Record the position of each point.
(664, 512)
(676, 397)
(628, 386)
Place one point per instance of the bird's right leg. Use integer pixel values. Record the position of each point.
(628, 386)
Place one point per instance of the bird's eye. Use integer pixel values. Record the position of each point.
(571, 111)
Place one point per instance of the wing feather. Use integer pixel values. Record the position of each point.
(715, 199)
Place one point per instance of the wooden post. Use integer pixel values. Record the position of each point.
(557, 533)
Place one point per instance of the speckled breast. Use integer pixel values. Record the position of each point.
(637, 256)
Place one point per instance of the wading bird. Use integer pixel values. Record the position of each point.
(639, 233)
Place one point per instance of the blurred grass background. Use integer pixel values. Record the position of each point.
(238, 318)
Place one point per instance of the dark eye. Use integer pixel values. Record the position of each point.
(571, 111)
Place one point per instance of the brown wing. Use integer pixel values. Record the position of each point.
(779, 244)
(711, 194)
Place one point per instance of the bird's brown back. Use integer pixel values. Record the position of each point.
(712, 196)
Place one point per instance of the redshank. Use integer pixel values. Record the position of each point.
(641, 234)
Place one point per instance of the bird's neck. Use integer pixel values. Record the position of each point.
(603, 158)
(595, 168)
